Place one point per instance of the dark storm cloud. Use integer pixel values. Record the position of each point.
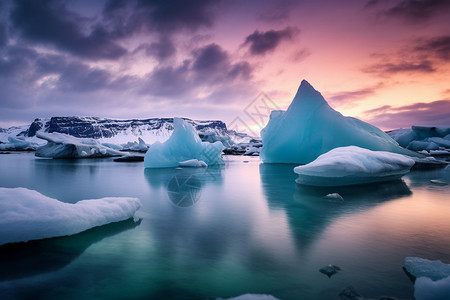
(348, 97)
(208, 67)
(419, 10)
(261, 43)
(427, 114)
(49, 22)
(438, 47)
(409, 67)
(3, 35)
(163, 17)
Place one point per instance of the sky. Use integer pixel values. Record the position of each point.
(386, 62)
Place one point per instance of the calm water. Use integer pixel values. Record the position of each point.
(245, 227)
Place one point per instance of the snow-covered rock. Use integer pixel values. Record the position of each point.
(310, 127)
(28, 215)
(353, 165)
(61, 145)
(193, 163)
(184, 144)
(420, 267)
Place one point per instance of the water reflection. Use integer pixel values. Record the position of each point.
(183, 185)
(309, 213)
(21, 260)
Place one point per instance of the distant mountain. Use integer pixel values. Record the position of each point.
(122, 131)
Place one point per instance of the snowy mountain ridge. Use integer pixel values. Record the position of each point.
(121, 131)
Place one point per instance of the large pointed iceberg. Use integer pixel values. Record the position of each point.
(353, 165)
(310, 127)
(184, 144)
(28, 215)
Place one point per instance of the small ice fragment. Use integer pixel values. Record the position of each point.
(334, 196)
(438, 182)
(330, 270)
(349, 293)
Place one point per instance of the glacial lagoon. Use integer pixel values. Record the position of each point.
(220, 232)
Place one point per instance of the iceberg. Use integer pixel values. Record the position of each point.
(432, 278)
(28, 215)
(427, 289)
(417, 267)
(184, 144)
(420, 138)
(61, 145)
(18, 143)
(310, 127)
(353, 165)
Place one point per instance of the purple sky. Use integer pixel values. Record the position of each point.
(386, 62)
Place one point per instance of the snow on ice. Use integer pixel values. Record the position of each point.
(353, 165)
(28, 215)
(61, 145)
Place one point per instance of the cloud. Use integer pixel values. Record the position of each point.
(349, 97)
(165, 17)
(408, 67)
(437, 46)
(207, 68)
(427, 114)
(261, 43)
(50, 23)
(3, 35)
(418, 10)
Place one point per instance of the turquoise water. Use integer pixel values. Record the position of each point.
(244, 227)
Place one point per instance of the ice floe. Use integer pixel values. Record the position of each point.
(353, 165)
(28, 215)
(61, 145)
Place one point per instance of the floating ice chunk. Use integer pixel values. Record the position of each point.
(28, 215)
(330, 270)
(334, 196)
(252, 297)
(349, 293)
(438, 182)
(353, 165)
(61, 145)
(422, 145)
(427, 289)
(140, 146)
(310, 127)
(18, 143)
(184, 144)
(193, 163)
(420, 267)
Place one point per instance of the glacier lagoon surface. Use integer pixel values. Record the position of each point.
(225, 231)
